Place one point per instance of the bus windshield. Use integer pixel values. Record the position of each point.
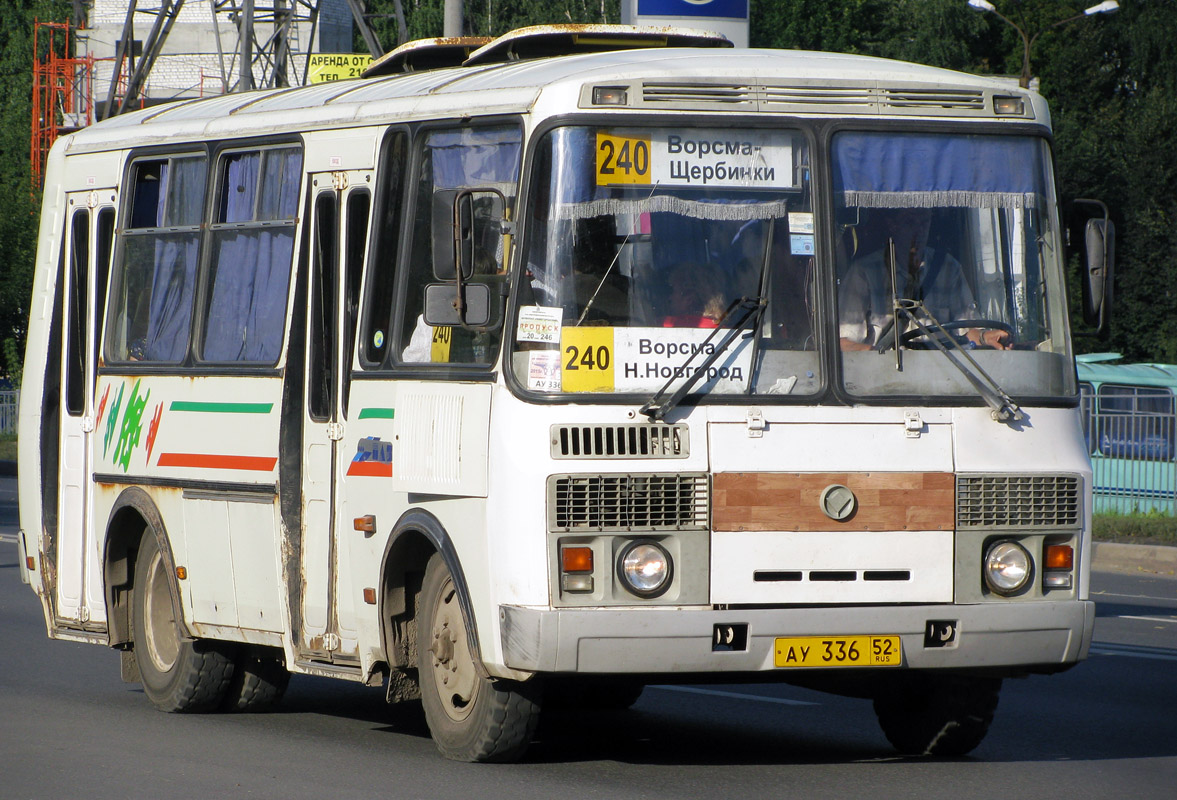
(959, 231)
(641, 239)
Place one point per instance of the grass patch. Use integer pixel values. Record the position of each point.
(1134, 528)
(7, 447)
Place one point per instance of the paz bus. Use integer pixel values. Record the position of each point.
(516, 372)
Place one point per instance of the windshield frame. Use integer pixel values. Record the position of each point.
(818, 135)
(802, 130)
(1037, 132)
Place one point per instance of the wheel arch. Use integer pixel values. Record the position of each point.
(133, 513)
(416, 536)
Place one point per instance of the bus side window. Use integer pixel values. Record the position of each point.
(253, 236)
(461, 158)
(155, 275)
(374, 331)
(359, 204)
(76, 331)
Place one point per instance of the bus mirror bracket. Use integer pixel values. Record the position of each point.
(466, 306)
(1099, 247)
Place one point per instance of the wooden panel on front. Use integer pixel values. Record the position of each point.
(789, 501)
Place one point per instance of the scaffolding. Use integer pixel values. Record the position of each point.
(63, 90)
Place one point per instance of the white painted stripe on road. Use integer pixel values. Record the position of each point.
(734, 695)
(8, 537)
(1154, 653)
(1148, 619)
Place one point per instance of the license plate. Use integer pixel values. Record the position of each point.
(838, 651)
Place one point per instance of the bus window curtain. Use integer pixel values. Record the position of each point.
(881, 170)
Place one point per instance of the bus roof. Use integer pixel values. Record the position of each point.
(684, 79)
(1099, 368)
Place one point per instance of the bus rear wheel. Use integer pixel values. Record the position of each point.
(178, 674)
(471, 718)
(937, 715)
(258, 683)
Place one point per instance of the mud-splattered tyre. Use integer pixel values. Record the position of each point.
(470, 717)
(937, 715)
(178, 674)
(258, 682)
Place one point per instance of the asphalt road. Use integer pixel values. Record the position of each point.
(69, 728)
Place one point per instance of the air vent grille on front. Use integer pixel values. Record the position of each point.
(708, 93)
(663, 502)
(1018, 502)
(934, 98)
(621, 441)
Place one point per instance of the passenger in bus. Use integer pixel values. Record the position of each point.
(695, 299)
(928, 274)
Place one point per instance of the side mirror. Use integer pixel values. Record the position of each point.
(1099, 249)
(453, 234)
(465, 306)
(470, 227)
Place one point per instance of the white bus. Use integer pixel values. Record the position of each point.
(550, 369)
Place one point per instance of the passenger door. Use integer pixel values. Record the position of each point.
(89, 236)
(340, 210)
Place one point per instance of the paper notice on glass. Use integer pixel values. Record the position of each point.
(539, 324)
(543, 370)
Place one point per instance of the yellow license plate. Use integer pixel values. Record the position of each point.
(838, 651)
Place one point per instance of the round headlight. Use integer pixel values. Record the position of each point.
(644, 568)
(1007, 567)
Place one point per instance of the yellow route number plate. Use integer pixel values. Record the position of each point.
(622, 159)
(838, 651)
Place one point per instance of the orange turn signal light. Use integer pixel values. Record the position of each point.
(31, 563)
(1059, 556)
(182, 573)
(366, 523)
(576, 559)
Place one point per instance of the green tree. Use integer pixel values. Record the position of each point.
(18, 222)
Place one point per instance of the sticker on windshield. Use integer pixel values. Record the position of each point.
(801, 244)
(539, 324)
(722, 157)
(801, 221)
(543, 370)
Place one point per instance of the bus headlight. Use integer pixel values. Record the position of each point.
(1007, 567)
(644, 568)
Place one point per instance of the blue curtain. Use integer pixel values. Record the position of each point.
(474, 157)
(250, 265)
(884, 170)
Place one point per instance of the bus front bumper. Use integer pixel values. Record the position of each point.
(1038, 635)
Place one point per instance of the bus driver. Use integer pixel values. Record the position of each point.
(935, 278)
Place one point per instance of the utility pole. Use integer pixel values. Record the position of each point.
(452, 24)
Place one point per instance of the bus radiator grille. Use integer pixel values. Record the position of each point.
(648, 502)
(1000, 502)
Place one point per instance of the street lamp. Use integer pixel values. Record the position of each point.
(1106, 7)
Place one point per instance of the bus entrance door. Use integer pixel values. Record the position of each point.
(79, 601)
(340, 217)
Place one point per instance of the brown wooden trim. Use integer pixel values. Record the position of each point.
(788, 501)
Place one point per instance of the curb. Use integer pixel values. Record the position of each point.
(1160, 560)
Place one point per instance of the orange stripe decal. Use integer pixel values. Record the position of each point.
(212, 461)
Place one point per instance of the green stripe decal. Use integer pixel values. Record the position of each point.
(376, 413)
(222, 408)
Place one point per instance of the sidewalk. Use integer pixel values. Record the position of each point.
(1156, 559)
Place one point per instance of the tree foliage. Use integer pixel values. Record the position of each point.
(1111, 81)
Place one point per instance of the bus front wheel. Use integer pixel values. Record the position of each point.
(470, 717)
(178, 674)
(936, 715)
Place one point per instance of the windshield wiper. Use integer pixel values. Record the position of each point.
(1004, 408)
(742, 311)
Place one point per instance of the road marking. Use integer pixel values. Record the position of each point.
(8, 537)
(1148, 619)
(1134, 651)
(734, 695)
